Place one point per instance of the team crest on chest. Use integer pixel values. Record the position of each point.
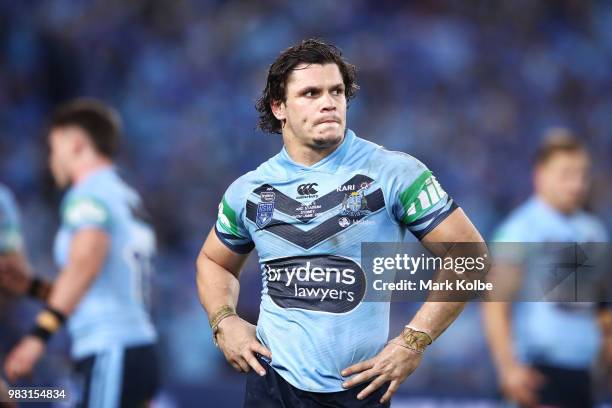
(265, 208)
(355, 204)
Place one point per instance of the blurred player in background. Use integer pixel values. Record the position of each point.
(543, 351)
(309, 208)
(12, 257)
(103, 249)
(13, 264)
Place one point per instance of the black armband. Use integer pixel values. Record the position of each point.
(39, 289)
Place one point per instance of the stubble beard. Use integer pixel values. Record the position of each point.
(326, 141)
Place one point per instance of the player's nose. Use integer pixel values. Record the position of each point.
(329, 103)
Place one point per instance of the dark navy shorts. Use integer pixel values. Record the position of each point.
(565, 387)
(118, 377)
(272, 391)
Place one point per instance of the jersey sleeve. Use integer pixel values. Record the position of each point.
(86, 211)
(511, 230)
(10, 229)
(230, 228)
(418, 200)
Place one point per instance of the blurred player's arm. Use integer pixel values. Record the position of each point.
(15, 277)
(88, 251)
(604, 318)
(518, 382)
(403, 354)
(218, 269)
(4, 396)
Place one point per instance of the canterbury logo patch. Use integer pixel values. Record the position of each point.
(307, 189)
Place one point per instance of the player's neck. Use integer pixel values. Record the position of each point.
(555, 205)
(85, 168)
(305, 154)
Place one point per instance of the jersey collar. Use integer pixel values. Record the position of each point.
(95, 175)
(547, 208)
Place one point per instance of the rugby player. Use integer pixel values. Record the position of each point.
(13, 263)
(307, 210)
(103, 249)
(543, 351)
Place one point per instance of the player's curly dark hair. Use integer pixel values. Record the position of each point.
(310, 51)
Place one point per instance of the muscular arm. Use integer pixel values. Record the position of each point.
(87, 255)
(218, 269)
(497, 324)
(86, 259)
(518, 382)
(434, 317)
(604, 318)
(396, 362)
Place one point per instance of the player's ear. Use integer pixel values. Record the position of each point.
(278, 110)
(79, 141)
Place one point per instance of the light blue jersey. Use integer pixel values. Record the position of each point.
(112, 313)
(563, 335)
(308, 224)
(10, 231)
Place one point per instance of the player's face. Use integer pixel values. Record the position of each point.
(564, 180)
(61, 153)
(315, 106)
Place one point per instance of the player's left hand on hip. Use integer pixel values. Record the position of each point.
(23, 357)
(392, 365)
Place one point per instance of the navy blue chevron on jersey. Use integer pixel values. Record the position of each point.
(308, 224)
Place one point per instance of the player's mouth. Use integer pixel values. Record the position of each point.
(327, 121)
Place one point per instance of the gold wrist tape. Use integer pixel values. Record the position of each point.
(48, 321)
(415, 340)
(222, 313)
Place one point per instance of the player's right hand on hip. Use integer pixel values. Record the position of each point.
(236, 338)
(520, 384)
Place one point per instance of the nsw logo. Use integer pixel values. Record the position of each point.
(325, 283)
(265, 208)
